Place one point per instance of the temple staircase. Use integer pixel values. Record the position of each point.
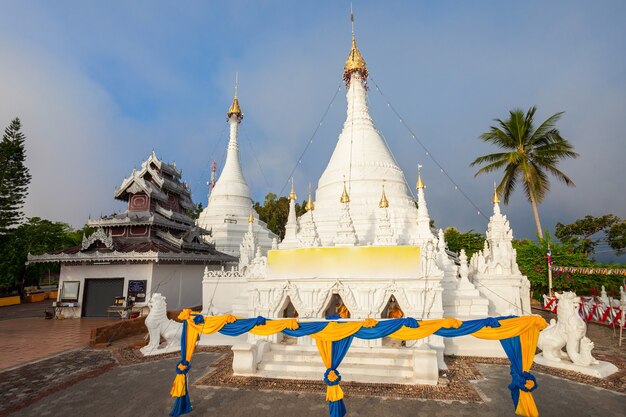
(385, 365)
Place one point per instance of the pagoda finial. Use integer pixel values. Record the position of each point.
(345, 197)
(234, 109)
(292, 194)
(420, 183)
(250, 217)
(309, 204)
(495, 199)
(355, 61)
(384, 203)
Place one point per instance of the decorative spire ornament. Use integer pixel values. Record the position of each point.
(495, 199)
(345, 197)
(383, 203)
(310, 206)
(291, 227)
(292, 194)
(420, 183)
(355, 61)
(234, 109)
(384, 231)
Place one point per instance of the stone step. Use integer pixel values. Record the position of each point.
(359, 371)
(345, 377)
(351, 358)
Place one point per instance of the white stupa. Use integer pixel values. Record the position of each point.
(364, 250)
(362, 158)
(229, 207)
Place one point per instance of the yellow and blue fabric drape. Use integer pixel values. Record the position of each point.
(518, 336)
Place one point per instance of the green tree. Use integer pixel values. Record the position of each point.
(275, 212)
(36, 236)
(195, 213)
(616, 237)
(580, 234)
(532, 262)
(471, 241)
(529, 155)
(14, 177)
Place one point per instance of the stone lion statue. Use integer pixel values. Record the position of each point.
(159, 325)
(569, 332)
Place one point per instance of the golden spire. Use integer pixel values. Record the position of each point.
(292, 194)
(355, 61)
(345, 198)
(234, 108)
(495, 199)
(250, 217)
(309, 204)
(384, 203)
(420, 183)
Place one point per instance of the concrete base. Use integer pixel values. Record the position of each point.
(601, 370)
(472, 346)
(218, 339)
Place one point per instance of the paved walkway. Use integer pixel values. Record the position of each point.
(28, 339)
(143, 390)
(21, 311)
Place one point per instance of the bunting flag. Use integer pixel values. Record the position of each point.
(587, 270)
(518, 336)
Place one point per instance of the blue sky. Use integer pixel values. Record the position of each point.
(98, 85)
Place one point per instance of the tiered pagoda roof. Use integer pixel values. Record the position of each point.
(156, 226)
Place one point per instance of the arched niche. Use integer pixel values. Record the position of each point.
(336, 306)
(392, 310)
(288, 310)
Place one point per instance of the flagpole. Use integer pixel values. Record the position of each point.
(549, 272)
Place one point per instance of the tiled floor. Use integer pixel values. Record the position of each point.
(25, 340)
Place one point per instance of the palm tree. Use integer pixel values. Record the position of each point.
(529, 155)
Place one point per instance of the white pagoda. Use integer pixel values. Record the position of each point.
(229, 209)
(363, 249)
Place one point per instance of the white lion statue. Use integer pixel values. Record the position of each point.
(159, 325)
(569, 332)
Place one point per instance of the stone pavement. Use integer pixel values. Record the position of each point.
(143, 390)
(32, 382)
(23, 310)
(28, 339)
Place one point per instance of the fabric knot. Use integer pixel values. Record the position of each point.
(230, 318)
(369, 322)
(183, 367)
(198, 318)
(260, 321)
(333, 317)
(526, 382)
(451, 322)
(185, 314)
(292, 324)
(332, 377)
(411, 323)
(492, 322)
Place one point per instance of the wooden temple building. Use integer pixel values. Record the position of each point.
(153, 246)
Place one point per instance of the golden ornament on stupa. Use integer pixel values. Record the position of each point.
(345, 198)
(355, 61)
(309, 204)
(495, 199)
(384, 203)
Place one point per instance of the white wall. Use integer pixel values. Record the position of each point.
(180, 284)
(82, 272)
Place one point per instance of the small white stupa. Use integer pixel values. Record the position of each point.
(230, 201)
(494, 269)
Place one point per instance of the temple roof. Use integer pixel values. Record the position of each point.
(157, 180)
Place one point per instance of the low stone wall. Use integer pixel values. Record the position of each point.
(102, 336)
